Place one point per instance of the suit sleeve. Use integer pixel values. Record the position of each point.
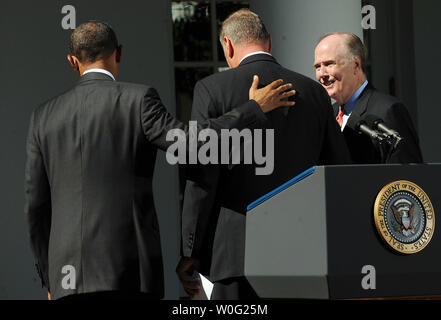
(157, 123)
(334, 148)
(198, 215)
(37, 203)
(408, 151)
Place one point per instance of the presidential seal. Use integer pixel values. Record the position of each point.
(404, 216)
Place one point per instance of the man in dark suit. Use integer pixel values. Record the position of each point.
(213, 219)
(88, 181)
(340, 61)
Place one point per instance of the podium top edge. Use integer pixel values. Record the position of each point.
(311, 170)
(284, 186)
(382, 165)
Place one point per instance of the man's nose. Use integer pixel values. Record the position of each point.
(323, 72)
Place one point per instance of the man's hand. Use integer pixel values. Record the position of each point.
(185, 270)
(270, 97)
(49, 295)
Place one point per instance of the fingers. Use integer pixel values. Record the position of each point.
(276, 84)
(284, 87)
(255, 83)
(287, 94)
(192, 293)
(192, 285)
(286, 103)
(189, 281)
(187, 277)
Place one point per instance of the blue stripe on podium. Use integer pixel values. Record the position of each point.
(284, 186)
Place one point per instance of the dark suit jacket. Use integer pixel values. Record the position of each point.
(395, 115)
(88, 185)
(213, 221)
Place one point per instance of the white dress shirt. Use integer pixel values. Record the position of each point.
(350, 105)
(100, 71)
(252, 54)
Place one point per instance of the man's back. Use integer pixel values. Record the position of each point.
(304, 135)
(299, 132)
(99, 169)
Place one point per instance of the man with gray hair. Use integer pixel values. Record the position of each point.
(216, 197)
(340, 62)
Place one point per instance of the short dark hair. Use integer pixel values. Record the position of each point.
(354, 46)
(243, 27)
(93, 40)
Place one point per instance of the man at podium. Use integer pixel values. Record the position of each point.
(340, 65)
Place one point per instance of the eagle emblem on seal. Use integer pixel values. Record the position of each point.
(403, 213)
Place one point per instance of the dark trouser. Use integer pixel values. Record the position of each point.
(233, 289)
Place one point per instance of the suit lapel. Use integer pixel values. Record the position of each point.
(362, 102)
(336, 107)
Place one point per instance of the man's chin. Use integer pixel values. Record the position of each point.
(333, 96)
(331, 93)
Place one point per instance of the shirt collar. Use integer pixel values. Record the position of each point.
(254, 53)
(100, 71)
(349, 106)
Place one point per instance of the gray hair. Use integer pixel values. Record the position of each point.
(354, 47)
(243, 27)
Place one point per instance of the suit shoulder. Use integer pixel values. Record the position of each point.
(134, 90)
(305, 81)
(52, 101)
(133, 87)
(384, 99)
(214, 79)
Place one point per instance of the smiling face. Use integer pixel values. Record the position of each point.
(336, 69)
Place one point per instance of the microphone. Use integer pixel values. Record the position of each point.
(378, 124)
(360, 126)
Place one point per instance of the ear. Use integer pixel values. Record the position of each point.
(73, 62)
(270, 44)
(357, 63)
(230, 48)
(118, 56)
(225, 43)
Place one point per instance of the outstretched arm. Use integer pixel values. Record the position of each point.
(157, 122)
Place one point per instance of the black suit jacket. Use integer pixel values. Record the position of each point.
(88, 185)
(395, 115)
(216, 197)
